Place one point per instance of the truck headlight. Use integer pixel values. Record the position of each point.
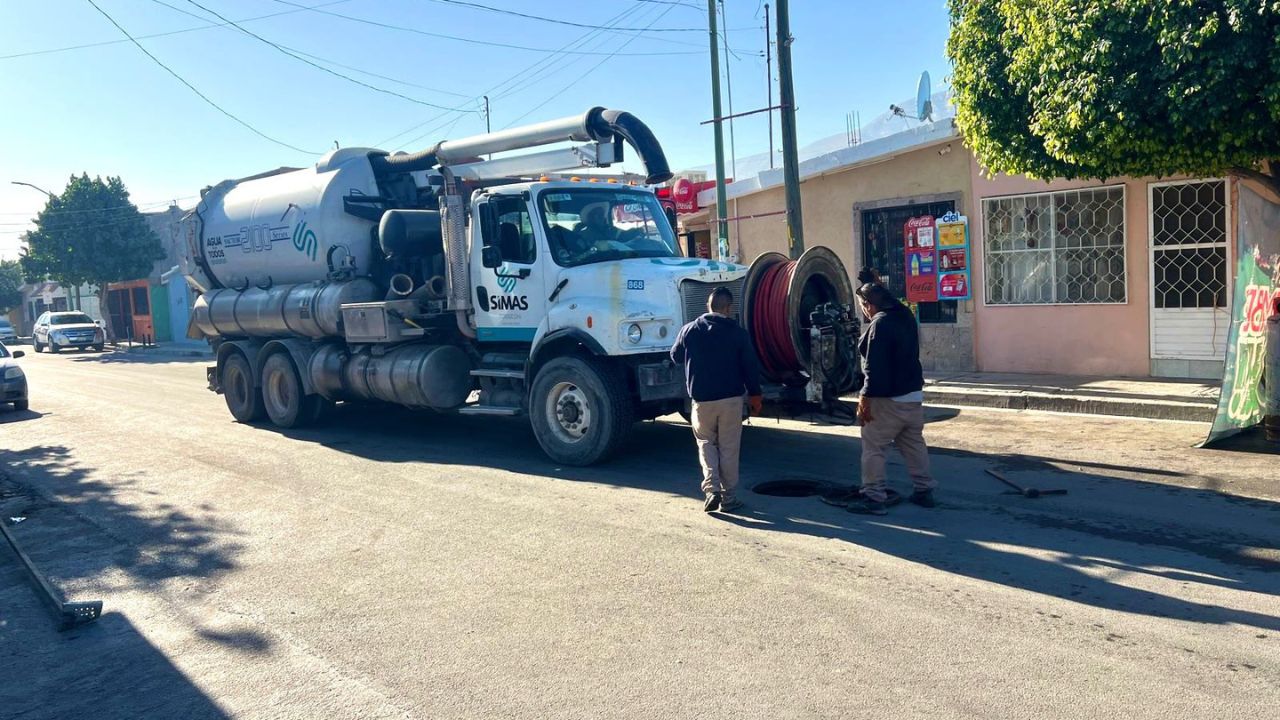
(634, 333)
(12, 373)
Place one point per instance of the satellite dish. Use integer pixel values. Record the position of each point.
(924, 98)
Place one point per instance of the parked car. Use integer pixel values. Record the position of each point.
(13, 383)
(7, 333)
(58, 330)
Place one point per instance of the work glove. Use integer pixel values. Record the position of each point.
(756, 403)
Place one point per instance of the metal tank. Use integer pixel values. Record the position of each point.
(309, 310)
(423, 376)
(283, 227)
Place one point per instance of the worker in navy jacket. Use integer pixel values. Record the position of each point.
(719, 367)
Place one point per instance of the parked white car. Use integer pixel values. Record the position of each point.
(59, 330)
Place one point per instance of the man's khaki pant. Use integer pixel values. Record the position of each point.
(903, 425)
(718, 427)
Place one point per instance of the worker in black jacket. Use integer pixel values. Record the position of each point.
(891, 407)
(719, 367)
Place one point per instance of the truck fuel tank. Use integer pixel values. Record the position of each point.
(311, 310)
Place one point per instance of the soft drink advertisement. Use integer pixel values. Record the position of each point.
(953, 251)
(1257, 289)
(921, 259)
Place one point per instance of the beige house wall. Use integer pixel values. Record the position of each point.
(832, 205)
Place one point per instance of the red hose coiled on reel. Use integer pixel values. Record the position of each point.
(770, 326)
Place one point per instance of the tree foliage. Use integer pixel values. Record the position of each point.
(10, 285)
(1105, 88)
(91, 234)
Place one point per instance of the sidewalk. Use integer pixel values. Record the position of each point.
(1162, 399)
(170, 349)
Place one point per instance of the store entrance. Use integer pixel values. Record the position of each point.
(884, 250)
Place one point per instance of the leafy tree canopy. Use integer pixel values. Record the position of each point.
(1104, 88)
(91, 233)
(10, 285)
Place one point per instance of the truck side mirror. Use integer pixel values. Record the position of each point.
(491, 256)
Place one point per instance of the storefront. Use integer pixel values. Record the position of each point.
(1128, 277)
(858, 202)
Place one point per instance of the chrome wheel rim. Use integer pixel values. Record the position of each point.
(568, 412)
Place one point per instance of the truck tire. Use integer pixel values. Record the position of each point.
(283, 396)
(579, 409)
(243, 399)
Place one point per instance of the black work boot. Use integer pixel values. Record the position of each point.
(923, 498)
(712, 502)
(864, 505)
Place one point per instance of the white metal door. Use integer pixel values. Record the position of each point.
(1190, 290)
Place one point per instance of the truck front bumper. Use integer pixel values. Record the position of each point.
(660, 381)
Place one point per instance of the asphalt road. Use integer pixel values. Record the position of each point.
(394, 564)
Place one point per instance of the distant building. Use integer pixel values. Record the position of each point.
(49, 296)
(157, 306)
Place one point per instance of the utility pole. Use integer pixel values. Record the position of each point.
(790, 158)
(722, 210)
(487, 128)
(728, 87)
(768, 78)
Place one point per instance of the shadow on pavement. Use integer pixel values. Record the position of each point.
(82, 523)
(103, 670)
(9, 415)
(141, 357)
(1069, 547)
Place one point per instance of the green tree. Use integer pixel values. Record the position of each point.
(93, 234)
(10, 285)
(1105, 88)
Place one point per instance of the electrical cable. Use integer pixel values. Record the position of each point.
(593, 68)
(557, 21)
(193, 89)
(473, 41)
(317, 66)
(528, 72)
(300, 8)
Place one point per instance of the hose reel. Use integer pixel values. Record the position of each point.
(781, 297)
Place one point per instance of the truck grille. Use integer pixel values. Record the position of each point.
(694, 294)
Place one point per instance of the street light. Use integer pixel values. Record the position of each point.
(46, 192)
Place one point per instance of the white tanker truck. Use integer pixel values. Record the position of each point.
(444, 281)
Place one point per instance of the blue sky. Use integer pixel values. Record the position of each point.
(108, 109)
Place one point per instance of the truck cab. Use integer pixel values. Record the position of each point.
(583, 283)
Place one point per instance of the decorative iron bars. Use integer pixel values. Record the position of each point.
(1189, 244)
(1056, 248)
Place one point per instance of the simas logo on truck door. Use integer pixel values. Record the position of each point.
(507, 281)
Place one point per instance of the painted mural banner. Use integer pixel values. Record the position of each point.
(1257, 288)
(921, 259)
(953, 257)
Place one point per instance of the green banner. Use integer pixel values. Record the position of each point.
(1257, 286)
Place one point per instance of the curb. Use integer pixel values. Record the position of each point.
(168, 352)
(1078, 404)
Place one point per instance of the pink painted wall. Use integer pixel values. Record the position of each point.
(1112, 340)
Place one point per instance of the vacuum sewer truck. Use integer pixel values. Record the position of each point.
(445, 281)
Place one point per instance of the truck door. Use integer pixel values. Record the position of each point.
(511, 298)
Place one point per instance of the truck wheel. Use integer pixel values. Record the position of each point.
(579, 409)
(243, 399)
(287, 404)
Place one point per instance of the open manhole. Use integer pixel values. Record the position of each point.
(793, 487)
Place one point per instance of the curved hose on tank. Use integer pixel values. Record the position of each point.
(384, 163)
(629, 127)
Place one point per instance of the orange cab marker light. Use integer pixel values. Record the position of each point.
(588, 321)
(612, 181)
(575, 178)
(544, 178)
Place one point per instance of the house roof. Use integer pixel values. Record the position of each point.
(847, 158)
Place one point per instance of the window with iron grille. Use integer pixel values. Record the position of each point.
(1055, 248)
(1189, 244)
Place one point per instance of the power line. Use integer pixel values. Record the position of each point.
(109, 207)
(317, 66)
(473, 41)
(527, 72)
(193, 89)
(303, 53)
(300, 8)
(588, 72)
(557, 21)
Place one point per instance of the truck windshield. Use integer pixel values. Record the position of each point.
(70, 319)
(590, 225)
